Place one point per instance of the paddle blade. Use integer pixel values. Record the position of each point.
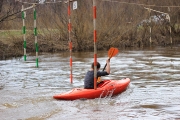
(112, 52)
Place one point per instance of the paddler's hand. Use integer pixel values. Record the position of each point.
(108, 66)
(99, 80)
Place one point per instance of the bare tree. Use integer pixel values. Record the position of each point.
(1, 3)
(8, 11)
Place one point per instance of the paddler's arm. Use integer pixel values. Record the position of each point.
(108, 66)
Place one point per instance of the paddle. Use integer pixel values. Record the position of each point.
(111, 53)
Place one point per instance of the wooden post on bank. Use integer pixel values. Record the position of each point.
(168, 17)
(150, 28)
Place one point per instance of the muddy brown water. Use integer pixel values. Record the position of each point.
(154, 92)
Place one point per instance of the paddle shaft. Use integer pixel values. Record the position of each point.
(105, 65)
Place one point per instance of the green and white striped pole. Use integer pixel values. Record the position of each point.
(35, 34)
(24, 30)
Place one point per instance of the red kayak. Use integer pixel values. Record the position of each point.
(105, 88)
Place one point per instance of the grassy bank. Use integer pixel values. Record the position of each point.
(11, 43)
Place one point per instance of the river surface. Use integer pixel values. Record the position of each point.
(26, 92)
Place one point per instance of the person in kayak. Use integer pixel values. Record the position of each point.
(89, 78)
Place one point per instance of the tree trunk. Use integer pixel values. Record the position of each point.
(1, 3)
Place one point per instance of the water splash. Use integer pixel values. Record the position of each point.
(107, 97)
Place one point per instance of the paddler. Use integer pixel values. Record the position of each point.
(89, 78)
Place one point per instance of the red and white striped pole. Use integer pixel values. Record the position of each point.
(70, 42)
(95, 44)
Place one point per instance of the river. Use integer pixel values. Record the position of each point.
(154, 92)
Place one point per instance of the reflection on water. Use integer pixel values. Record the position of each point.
(26, 91)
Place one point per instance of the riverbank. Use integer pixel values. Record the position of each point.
(12, 46)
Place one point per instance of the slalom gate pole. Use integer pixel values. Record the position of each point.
(24, 30)
(95, 44)
(70, 42)
(35, 34)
